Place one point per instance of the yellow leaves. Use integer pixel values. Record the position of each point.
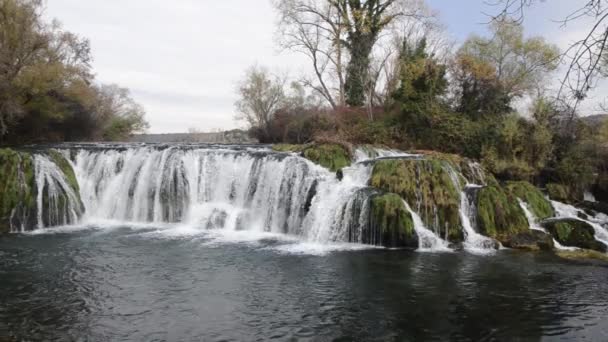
(475, 67)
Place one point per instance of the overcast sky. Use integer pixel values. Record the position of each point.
(182, 59)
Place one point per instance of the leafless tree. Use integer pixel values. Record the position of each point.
(314, 28)
(584, 58)
(261, 94)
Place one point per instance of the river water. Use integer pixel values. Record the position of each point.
(175, 283)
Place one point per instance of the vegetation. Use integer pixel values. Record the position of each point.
(330, 156)
(47, 89)
(17, 189)
(499, 214)
(574, 233)
(428, 187)
(390, 216)
(534, 198)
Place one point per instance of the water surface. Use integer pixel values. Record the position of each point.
(179, 284)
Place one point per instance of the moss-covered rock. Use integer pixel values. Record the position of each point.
(391, 220)
(331, 156)
(558, 192)
(534, 198)
(66, 168)
(288, 148)
(427, 186)
(582, 254)
(574, 233)
(499, 214)
(531, 240)
(17, 190)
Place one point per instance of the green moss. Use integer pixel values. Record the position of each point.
(499, 214)
(534, 198)
(66, 168)
(427, 186)
(331, 156)
(582, 254)
(288, 148)
(558, 192)
(17, 187)
(392, 219)
(574, 233)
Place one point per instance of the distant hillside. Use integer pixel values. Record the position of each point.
(228, 137)
(593, 120)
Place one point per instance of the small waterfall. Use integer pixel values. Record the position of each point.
(473, 241)
(533, 222)
(370, 153)
(567, 211)
(57, 203)
(427, 240)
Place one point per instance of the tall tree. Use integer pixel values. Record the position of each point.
(491, 72)
(363, 21)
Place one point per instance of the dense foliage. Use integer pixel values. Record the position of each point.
(488, 101)
(47, 87)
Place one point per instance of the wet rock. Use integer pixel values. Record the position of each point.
(574, 233)
(532, 240)
(391, 223)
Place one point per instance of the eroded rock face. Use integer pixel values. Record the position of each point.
(574, 233)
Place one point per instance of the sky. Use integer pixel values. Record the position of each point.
(182, 59)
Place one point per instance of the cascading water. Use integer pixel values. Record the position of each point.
(57, 203)
(427, 240)
(473, 241)
(533, 222)
(567, 211)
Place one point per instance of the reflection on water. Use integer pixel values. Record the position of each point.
(128, 284)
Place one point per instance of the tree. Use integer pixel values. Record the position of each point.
(491, 72)
(117, 114)
(584, 57)
(313, 28)
(261, 94)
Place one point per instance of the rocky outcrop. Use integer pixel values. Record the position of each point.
(533, 197)
(37, 189)
(17, 190)
(532, 240)
(574, 233)
(392, 222)
(499, 214)
(429, 189)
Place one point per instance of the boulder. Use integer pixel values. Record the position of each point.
(532, 240)
(574, 233)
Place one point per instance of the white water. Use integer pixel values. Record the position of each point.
(53, 186)
(427, 240)
(567, 211)
(533, 222)
(474, 242)
(369, 153)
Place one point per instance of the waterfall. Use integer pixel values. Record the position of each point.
(533, 222)
(473, 241)
(567, 211)
(427, 240)
(56, 202)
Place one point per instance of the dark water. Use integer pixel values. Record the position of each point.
(130, 285)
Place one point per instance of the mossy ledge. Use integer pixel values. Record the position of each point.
(427, 186)
(534, 198)
(499, 214)
(582, 254)
(65, 167)
(574, 233)
(17, 190)
(331, 156)
(391, 222)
